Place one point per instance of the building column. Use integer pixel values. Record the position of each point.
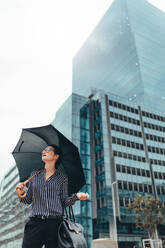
(146, 154)
(114, 190)
(92, 158)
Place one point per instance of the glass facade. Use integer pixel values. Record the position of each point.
(125, 54)
(86, 206)
(128, 149)
(124, 57)
(68, 121)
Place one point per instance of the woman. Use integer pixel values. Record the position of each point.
(48, 194)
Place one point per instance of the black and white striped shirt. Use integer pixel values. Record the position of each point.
(48, 196)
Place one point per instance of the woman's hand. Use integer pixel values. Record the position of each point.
(21, 186)
(82, 196)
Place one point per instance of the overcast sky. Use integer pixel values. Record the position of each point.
(37, 42)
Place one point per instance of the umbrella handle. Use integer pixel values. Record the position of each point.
(23, 195)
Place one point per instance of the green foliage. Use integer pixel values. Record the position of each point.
(149, 212)
(163, 243)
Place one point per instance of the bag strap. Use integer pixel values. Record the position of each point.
(71, 213)
(65, 212)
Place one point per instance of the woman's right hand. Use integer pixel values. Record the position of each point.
(21, 186)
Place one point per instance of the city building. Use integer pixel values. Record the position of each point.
(127, 152)
(123, 57)
(13, 213)
(125, 54)
(118, 126)
(67, 121)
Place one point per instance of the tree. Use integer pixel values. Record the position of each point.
(149, 212)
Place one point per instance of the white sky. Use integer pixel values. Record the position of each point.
(37, 42)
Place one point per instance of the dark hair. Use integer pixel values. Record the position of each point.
(58, 151)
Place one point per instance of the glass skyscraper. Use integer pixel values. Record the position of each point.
(124, 57)
(125, 54)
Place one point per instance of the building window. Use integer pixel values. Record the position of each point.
(160, 175)
(118, 168)
(126, 130)
(135, 187)
(102, 202)
(150, 188)
(140, 188)
(138, 172)
(158, 190)
(148, 173)
(125, 185)
(121, 202)
(133, 171)
(155, 174)
(97, 186)
(128, 156)
(119, 185)
(98, 203)
(127, 143)
(124, 118)
(143, 173)
(145, 188)
(128, 170)
(126, 202)
(154, 127)
(153, 116)
(130, 186)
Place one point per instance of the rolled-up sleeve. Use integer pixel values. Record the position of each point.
(67, 200)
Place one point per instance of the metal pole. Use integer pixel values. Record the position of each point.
(114, 211)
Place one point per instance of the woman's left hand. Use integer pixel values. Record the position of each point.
(82, 196)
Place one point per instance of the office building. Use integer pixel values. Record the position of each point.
(126, 144)
(13, 213)
(125, 54)
(121, 132)
(67, 121)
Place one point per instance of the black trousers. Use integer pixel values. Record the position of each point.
(40, 232)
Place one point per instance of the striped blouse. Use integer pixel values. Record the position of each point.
(48, 196)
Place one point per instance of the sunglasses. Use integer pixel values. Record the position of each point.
(48, 149)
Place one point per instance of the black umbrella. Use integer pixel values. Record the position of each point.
(27, 154)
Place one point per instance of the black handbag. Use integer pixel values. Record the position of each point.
(70, 233)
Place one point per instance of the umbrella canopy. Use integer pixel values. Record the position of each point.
(27, 154)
